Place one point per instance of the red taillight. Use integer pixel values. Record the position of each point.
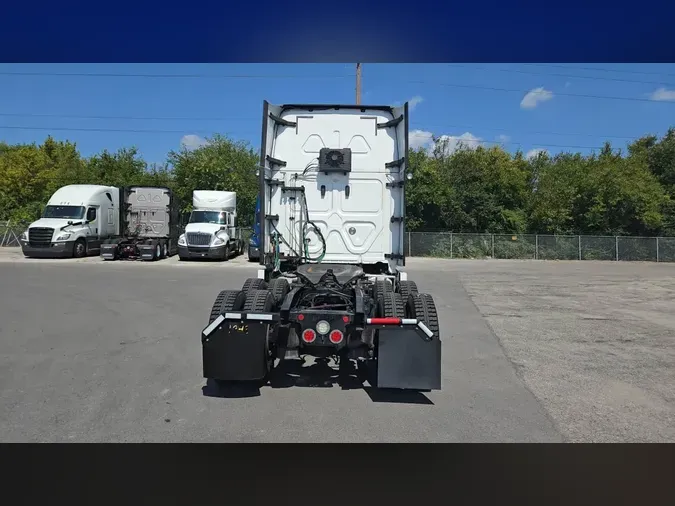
(345, 319)
(301, 317)
(309, 336)
(336, 337)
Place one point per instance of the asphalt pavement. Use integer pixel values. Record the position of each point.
(94, 351)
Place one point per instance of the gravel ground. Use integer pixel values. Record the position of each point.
(594, 341)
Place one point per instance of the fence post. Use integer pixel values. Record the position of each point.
(450, 244)
(579, 241)
(492, 237)
(4, 237)
(409, 245)
(616, 247)
(657, 249)
(536, 246)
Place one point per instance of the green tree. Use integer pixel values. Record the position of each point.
(220, 164)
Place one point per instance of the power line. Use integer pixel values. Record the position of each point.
(573, 76)
(601, 69)
(337, 76)
(256, 120)
(118, 130)
(121, 130)
(580, 95)
(178, 76)
(148, 118)
(505, 130)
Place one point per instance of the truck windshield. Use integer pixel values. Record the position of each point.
(69, 212)
(208, 217)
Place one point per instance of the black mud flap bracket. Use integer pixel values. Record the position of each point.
(408, 357)
(235, 346)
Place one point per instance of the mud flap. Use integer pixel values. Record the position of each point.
(108, 251)
(147, 251)
(407, 359)
(234, 347)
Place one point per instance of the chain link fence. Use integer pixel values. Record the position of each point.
(501, 246)
(10, 232)
(540, 247)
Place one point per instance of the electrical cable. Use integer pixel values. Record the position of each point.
(318, 233)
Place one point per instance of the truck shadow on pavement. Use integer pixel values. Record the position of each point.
(294, 373)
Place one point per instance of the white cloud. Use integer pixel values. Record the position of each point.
(450, 143)
(412, 103)
(534, 96)
(663, 94)
(419, 139)
(503, 138)
(533, 153)
(192, 141)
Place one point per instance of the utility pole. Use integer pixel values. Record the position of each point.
(358, 84)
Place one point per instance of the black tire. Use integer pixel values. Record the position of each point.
(226, 254)
(382, 286)
(406, 288)
(279, 288)
(165, 250)
(80, 249)
(254, 284)
(422, 307)
(227, 300)
(158, 252)
(391, 305)
(259, 301)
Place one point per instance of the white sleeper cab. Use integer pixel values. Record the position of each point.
(75, 221)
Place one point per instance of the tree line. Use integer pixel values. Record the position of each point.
(466, 189)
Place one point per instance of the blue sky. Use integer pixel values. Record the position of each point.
(556, 107)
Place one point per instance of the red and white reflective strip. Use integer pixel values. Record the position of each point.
(249, 316)
(400, 321)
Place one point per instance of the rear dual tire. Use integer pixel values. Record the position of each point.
(253, 300)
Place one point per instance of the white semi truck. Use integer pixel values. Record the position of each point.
(74, 223)
(331, 282)
(212, 230)
(149, 225)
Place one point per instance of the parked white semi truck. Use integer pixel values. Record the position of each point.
(149, 225)
(331, 282)
(74, 223)
(212, 230)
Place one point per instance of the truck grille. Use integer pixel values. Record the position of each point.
(198, 239)
(39, 236)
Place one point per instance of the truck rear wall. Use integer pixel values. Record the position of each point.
(150, 212)
(353, 210)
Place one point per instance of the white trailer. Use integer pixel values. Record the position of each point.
(212, 230)
(74, 223)
(331, 282)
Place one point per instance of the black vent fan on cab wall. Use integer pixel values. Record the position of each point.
(335, 160)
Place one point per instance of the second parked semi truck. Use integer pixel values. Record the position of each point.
(149, 225)
(212, 231)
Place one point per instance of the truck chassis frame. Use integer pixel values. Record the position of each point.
(147, 249)
(326, 310)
